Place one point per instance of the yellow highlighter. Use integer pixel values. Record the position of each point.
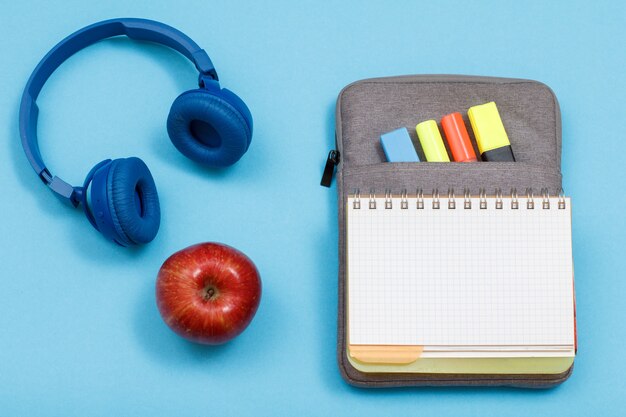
(493, 142)
(431, 141)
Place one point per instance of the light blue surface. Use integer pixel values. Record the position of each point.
(80, 332)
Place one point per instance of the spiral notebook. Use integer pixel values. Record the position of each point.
(459, 277)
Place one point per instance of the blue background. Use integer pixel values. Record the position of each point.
(80, 333)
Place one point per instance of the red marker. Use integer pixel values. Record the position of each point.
(458, 138)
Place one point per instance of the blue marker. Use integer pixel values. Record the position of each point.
(398, 146)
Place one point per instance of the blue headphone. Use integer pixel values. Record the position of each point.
(209, 125)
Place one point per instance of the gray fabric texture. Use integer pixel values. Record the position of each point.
(368, 108)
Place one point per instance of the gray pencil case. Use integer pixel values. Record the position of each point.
(366, 109)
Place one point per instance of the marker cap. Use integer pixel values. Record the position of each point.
(488, 127)
(458, 138)
(398, 146)
(431, 141)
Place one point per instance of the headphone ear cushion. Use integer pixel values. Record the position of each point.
(234, 100)
(133, 201)
(208, 129)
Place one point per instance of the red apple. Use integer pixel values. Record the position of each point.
(208, 293)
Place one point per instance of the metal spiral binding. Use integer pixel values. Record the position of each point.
(356, 204)
(499, 203)
(514, 202)
(420, 199)
(388, 201)
(451, 199)
(467, 199)
(561, 203)
(530, 199)
(436, 199)
(483, 198)
(545, 204)
(404, 200)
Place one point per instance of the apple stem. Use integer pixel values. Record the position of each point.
(209, 293)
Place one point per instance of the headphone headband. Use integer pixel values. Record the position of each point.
(138, 29)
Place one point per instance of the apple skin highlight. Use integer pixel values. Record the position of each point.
(208, 293)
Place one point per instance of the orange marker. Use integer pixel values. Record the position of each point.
(458, 138)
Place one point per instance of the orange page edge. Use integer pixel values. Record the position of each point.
(386, 354)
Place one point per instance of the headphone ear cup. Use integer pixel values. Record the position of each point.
(122, 201)
(133, 201)
(207, 128)
(234, 100)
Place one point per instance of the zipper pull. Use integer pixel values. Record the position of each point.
(329, 169)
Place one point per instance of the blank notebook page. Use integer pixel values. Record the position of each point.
(460, 276)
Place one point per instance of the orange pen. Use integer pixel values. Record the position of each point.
(458, 138)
